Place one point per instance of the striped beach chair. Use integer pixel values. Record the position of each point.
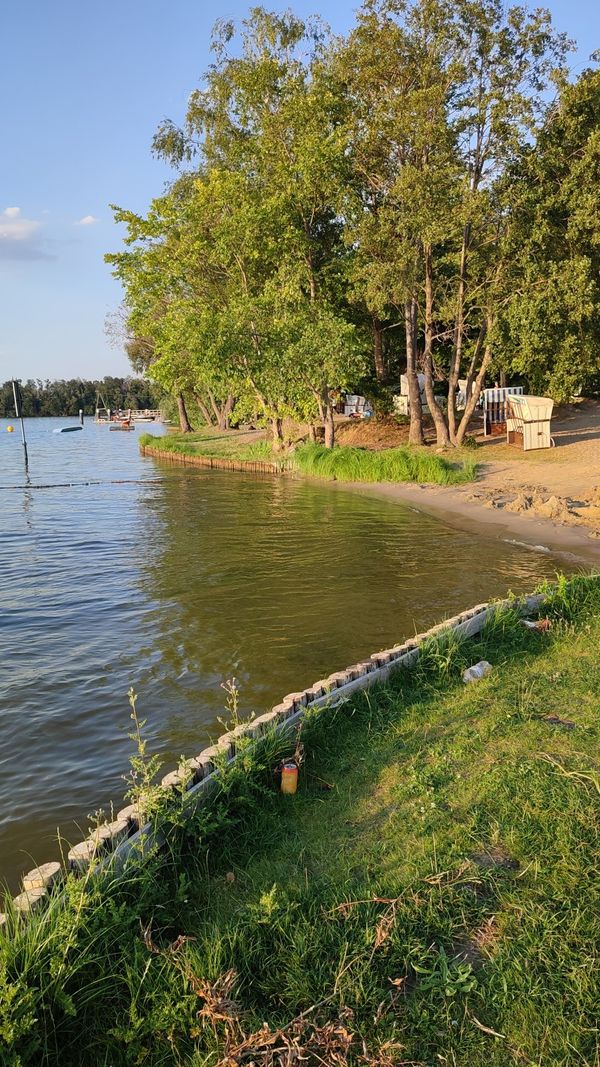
(494, 409)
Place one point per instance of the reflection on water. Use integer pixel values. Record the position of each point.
(175, 584)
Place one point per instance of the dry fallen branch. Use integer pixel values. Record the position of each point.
(578, 776)
(448, 878)
(487, 1029)
(348, 904)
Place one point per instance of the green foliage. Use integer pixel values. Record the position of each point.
(144, 766)
(441, 975)
(344, 464)
(551, 326)
(218, 445)
(331, 189)
(234, 275)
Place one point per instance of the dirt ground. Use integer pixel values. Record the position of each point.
(560, 484)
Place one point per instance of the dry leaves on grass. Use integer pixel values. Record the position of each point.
(218, 1006)
(304, 1041)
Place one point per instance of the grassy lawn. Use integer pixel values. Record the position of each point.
(430, 896)
(343, 463)
(226, 444)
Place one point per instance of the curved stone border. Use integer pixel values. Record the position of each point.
(124, 839)
(217, 463)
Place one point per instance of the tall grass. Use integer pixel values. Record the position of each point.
(389, 465)
(343, 464)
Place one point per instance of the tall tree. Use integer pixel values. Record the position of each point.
(444, 95)
(551, 324)
(267, 121)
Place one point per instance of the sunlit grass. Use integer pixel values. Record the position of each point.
(344, 464)
(471, 817)
(347, 464)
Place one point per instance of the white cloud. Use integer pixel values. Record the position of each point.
(19, 237)
(15, 228)
(87, 220)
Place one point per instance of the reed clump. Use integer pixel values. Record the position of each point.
(347, 464)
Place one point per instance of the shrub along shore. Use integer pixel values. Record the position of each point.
(343, 464)
(429, 895)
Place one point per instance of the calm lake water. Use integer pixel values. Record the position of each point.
(173, 582)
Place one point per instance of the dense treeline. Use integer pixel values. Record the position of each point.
(349, 209)
(67, 397)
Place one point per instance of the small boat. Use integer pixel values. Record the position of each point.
(121, 426)
(67, 429)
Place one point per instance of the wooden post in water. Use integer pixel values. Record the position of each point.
(81, 416)
(19, 415)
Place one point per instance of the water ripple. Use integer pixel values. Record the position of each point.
(176, 585)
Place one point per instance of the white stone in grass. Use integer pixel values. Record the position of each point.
(477, 671)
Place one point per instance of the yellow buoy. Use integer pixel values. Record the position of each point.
(10, 429)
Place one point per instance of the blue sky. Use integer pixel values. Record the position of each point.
(83, 87)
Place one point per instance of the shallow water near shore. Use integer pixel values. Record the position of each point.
(173, 580)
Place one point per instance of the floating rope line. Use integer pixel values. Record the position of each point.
(71, 485)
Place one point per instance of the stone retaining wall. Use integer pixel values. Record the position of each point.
(119, 841)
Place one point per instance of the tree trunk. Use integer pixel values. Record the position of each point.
(225, 411)
(475, 387)
(206, 415)
(441, 429)
(474, 360)
(378, 359)
(328, 420)
(216, 409)
(415, 433)
(185, 425)
(458, 334)
(277, 431)
(312, 433)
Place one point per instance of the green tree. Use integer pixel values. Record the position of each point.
(267, 133)
(443, 98)
(551, 325)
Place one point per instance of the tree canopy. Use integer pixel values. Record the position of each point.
(368, 206)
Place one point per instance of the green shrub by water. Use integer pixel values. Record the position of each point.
(433, 888)
(389, 465)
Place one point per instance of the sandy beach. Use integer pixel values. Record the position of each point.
(548, 500)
